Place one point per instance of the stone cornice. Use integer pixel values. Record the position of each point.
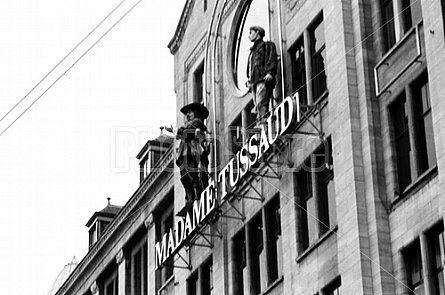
(175, 42)
(125, 212)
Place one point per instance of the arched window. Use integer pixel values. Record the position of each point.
(255, 13)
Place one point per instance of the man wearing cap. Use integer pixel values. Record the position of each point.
(193, 151)
(261, 70)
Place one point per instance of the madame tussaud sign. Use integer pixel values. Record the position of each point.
(278, 123)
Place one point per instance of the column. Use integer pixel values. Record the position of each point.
(123, 263)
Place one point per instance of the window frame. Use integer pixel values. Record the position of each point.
(416, 160)
(139, 257)
(310, 180)
(258, 253)
(311, 94)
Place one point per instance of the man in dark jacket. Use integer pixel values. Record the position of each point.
(261, 71)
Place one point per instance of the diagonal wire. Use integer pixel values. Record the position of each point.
(63, 59)
(69, 68)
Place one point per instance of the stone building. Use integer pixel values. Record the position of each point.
(339, 193)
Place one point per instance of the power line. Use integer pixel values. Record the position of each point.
(69, 68)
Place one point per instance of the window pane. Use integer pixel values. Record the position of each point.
(412, 13)
(402, 141)
(240, 262)
(299, 72)
(256, 14)
(191, 285)
(389, 31)
(273, 215)
(318, 60)
(424, 126)
(256, 238)
(207, 282)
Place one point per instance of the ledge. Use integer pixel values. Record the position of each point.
(273, 285)
(414, 187)
(324, 237)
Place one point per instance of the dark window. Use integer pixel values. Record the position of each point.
(205, 5)
(192, 283)
(111, 285)
(389, 31)
(299, 72)
(403, 149)
(265, 264)
(163, 224)
(274, 240)
(199, 85)
(411, 115)
(412, 13)
(437, 241)
(308, 61)
(318, 54)
(413, 262)
(207, 278)
(333, 288)
(240, 262)
(315, 197)
(256, 250)
(139, 270)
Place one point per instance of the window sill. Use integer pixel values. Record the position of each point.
(414, 187)
(164, 287)
(273, 285)
(324, 237)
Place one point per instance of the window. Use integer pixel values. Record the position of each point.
(424, 263)
(412, 13)
(413, 133)
(201, 281)
(139, 269)
(413, 262)
(207, 278)
(318, 53)
(163, 224)
(111, 284)
(309, 54)
(264, 230)
(200, 94)
(389, 31)
(315, 197)
(398, 18)
(192, 284)
(437, 241)
(240, 273)
(333, 288)
(299, 72)
(254, 13)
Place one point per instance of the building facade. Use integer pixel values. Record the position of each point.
(338, 193)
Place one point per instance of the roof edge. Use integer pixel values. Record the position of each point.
(175, 42)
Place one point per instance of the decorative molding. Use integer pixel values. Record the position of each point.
(175, 42)
(120, 257)
(94, 288)
(196, 52)
(292, 4)
(229, 5)
(150, 221)
(123, 215)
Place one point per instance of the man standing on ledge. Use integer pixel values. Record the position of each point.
(261, 71)
(192, 155)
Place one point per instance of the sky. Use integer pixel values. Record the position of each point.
(76, 145)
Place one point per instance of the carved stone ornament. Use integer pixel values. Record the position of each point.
(94, 288)
(150, 221)
(120, 256)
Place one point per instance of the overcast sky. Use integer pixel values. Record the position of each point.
(76, 145)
